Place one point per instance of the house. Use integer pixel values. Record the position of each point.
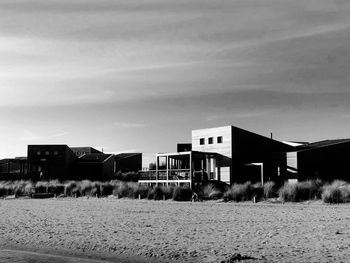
(94, 167)
(13, 168)
(61, 162)
(128, 162)
(326, 160)
(228, 154)
(47, 162)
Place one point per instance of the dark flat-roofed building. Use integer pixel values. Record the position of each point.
(128, 162)
(95, 167)
(327, 160)
(47, 162)
(13, 168)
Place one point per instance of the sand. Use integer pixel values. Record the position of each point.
(167, 231)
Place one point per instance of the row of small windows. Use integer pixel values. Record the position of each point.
(211, 140)
(46, 153)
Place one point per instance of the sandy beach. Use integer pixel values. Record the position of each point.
(167, 231)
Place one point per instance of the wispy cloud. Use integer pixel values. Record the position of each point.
(31, 136)
(129, 125)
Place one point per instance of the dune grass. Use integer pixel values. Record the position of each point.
(302, 191)
(336, 192)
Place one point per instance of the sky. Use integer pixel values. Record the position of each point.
(139, 75)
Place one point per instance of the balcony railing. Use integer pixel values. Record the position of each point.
(171, 174)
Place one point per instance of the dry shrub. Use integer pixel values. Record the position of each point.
(95, 189)
(121, 189)
(69, 186)
(182, 194)
(85, 187)
(302, 191)
(239, 192)
(156, 193)
(106, 189)
(337, 192)
(55, 187)
(41, 187)
(210, 191)
(141, 191)
(270, 190)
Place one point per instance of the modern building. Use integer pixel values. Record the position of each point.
(326, 160)
(14, 168)
(94, 167)
(228, 154)
(47, 162)
(128, 162)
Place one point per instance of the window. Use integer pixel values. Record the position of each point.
(219, 139)
(47, 153)
(38, 153)
(201, 141)
(210, 140)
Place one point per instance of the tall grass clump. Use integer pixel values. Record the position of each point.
(337, 192)
(182, 194)
(106, 189)
(270, 190)
(244, 192)
(211, 191)
(70, 188)
(302, 191)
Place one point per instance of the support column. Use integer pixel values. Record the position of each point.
(168, 168)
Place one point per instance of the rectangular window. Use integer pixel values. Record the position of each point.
(220, 139)
(201, 141)
(210, 140)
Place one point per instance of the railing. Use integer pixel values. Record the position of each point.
(171, 174)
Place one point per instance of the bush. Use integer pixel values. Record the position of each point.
(41, 187)
(210, 191)
(182, 194)
(141, 190)
(106, 189)
(69, 187)
(85, 187)
(337, 192)
(307, 190)
(270, 190)
(239, 192)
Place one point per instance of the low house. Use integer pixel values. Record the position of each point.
(128, 162)
(326, 160)
(13, 168)
(48, 162)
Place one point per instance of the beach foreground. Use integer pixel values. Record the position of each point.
(120, 230)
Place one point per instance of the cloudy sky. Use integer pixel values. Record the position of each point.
(139, 75)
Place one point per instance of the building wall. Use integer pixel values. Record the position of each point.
(128, 162)
(327, 163)
(50, 162)
(224, 149)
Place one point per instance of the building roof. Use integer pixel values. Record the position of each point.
(94, 157)
(120, 156)
(325, 143)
